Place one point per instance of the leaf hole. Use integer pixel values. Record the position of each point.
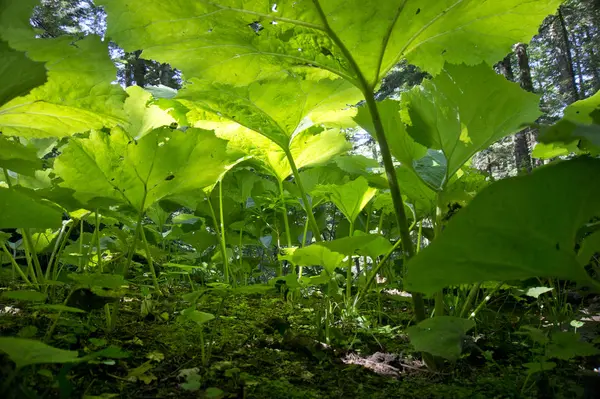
(418, 11)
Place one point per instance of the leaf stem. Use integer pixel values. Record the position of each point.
(150, 261)
(16, 265)
(223, 242)
(306, 204)
(349, 271)
(98, 250)
(286, 221)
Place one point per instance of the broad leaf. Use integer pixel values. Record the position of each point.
(79, 94)
(514, 229)
(307, 149)
(441, 336)
(164, 162)
(356, 164)
(316, 255)
(416, 190)
(589, 247)
(402, 145)
(143, 116)
(25, 352)
(271, 106)
(372, 245)
(466, 109)
(350, 198)
(24, 209)
(61, 308)
(33, 296)
(579, 129)
(18, 74)
(567, 345)
(536, 367)
(18, 158)
(197, 316)
(241, 42)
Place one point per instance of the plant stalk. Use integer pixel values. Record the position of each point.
(307, 206)
(286, 221)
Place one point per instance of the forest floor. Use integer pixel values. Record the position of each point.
(262, 346)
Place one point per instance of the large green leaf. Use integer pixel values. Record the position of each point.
(24, 209)
(142, 116)
(402, 145)
(241, 42)
(18, 74)
(25, 352)
(465, 109)
(276, 107)
(307, 149)
(567, 345)
(578, 131)
(316, 255)
(416, 191)
(79, 94)
(372, 245)
(350, 198)
(18, 158)
(164, 162)
(441, 336)
(514, 229)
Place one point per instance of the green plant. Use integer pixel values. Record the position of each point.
(242, 169)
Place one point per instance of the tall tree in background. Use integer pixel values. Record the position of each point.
(77, 18)
(565, 59)
(524, 137)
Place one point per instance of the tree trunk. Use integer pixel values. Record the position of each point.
(594, 61)
(505, 68)
(139, 69)
(522, 139)
(565, 60)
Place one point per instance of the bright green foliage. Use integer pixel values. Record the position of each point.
(24, 209)
(197, 316)
(18, 158)
(372, 245)
(578, 131)
(33, 296)
(25, 352)
(531, 231)
(567, 345)
(164, 162)
(271, 106)
(419, 194)
(79, 94)
(465, 109)
(303, 32)
(18, 73)
(402, 146)
(307, 148)
(535, 292)
(142, 116)
(314, 255)
(350, 198)
(441, 336)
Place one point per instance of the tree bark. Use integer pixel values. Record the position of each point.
(505, 67)
(139, 69)
(594, 61)
(565, 59)
(522, 153)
